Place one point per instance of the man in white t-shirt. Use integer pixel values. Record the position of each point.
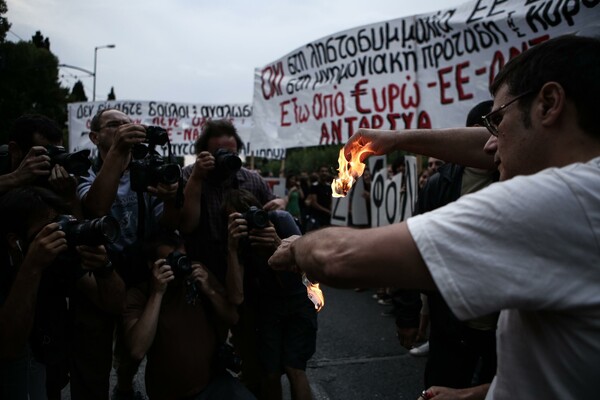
(536, 235)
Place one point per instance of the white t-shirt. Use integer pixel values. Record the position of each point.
(529, 246)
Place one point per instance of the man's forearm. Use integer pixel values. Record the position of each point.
(347, 257)
(463, 146)
(190, 212)
(141, 335)
(99, 199)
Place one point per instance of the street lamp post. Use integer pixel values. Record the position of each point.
(108, 46)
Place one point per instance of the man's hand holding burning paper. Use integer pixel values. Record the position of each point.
(283, 259)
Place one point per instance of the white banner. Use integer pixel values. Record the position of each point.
(422, 71)
(183, 121)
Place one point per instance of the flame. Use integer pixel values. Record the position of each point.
(314, 293)
(348, 171)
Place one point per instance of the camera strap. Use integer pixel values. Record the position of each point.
(141, 228)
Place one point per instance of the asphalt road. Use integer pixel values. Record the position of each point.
(358, 355)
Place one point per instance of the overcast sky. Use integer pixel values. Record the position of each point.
(195, 51)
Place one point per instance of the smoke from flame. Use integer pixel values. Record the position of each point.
(348, 171)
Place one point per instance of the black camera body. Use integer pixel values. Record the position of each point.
(93, 232)
(226, 165)
(77, 163)
(180, 264)
(152, 170)
(156, 136)
(256, 218)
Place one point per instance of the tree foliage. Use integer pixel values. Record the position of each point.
(4, 24)
(77, 93)
(29, 83)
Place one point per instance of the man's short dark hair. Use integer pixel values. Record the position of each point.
(21, 207)
(571, 61)
(95, 123)
(27, 125)
(481, 109)
(240, 200)
(161, 238)
(216, 128)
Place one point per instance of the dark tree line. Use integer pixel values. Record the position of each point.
(29, 80)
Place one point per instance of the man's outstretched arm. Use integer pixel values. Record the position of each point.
(346, 257)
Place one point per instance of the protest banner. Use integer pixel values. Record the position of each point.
(421, 71)
(182, 121)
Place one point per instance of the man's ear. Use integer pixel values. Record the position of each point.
(552, 103)
(93, 137)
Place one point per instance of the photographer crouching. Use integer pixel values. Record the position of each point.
(177, 319)
(277, 330)
(52, 257)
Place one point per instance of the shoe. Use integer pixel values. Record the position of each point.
(359, 289)
(384, 302)
(421, 351)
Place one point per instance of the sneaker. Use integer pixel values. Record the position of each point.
(421, 351)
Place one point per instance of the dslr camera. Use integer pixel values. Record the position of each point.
(89, 233)
(226, 165)
(152, 170)
(256, 218)
(149, 168)
(181, 266)
(76, 163)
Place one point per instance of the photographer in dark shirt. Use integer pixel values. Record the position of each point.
(44, 268)
(278, 323)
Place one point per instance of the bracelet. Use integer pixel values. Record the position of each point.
(105, 271)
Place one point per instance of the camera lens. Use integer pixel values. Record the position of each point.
(110, 228)
(169, 173)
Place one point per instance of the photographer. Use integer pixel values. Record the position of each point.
(278, 322)
(44, 268)
(177, 319)
(217, 170)
(108, 190)
(26, 159)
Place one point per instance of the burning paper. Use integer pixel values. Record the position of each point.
(348, 171)
(314, 293)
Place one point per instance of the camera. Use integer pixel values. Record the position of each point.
(180, 264)
(152, 170)
(226, 165)
(227, 359)
(256, 218)
(156, 136)
(77, 163)
(90, 232)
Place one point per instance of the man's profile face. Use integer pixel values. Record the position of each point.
(517, 150)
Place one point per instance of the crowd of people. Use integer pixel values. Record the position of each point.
(201, 271)
(110, 262)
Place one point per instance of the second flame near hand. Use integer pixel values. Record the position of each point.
(348, 171)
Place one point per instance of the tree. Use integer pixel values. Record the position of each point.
(77, 93)
(40, 42)
(4, 24)
(29, 83)
(111, 95)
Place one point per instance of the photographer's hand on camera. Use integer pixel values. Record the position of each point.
(164, 191)
(35, 164)
(93, 258)
(265, 238)
(205, 162)
(216, 293)
(45, 247)
(237, 228)
(126, 136)
(162, 274)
